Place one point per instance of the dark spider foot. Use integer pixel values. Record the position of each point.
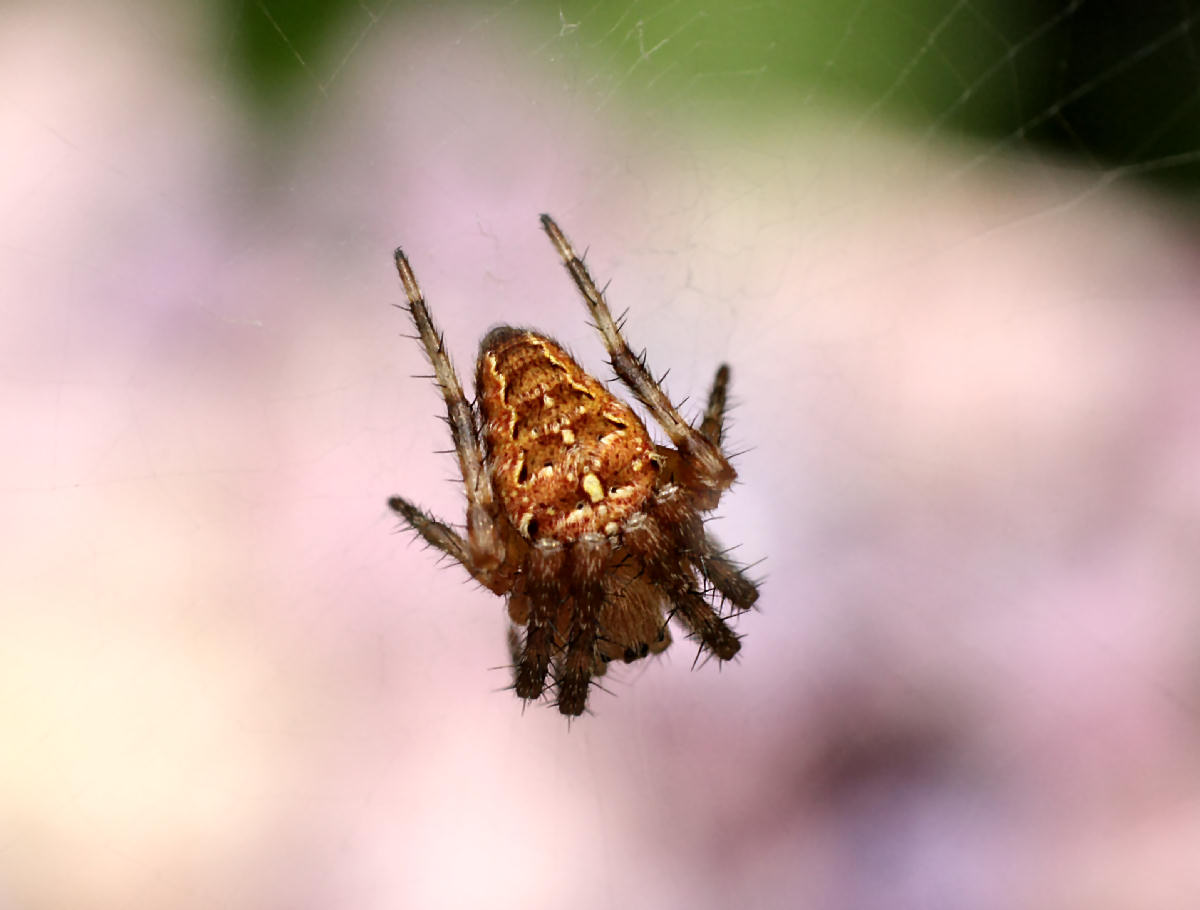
(531, 678)
(726, 576)
(706, 626)
(725, 644)
(533, 661)
(738, 590)
(573, 692)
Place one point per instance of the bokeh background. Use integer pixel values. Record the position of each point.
(950, 250)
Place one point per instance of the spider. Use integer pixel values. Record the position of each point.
(590, 530)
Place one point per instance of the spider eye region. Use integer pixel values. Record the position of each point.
(567, 457)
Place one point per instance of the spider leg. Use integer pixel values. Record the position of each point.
(712, 428)
(705, 625)
(703, 551)
(646, 535)
(545, 590)
(589, 559)
(440, 535)
(436, 533)
(725, 574)
(707, 468)
(673, 508)
(484, 539)
(714, 415)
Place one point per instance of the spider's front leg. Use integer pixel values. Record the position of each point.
(483, 550)
(706, 469)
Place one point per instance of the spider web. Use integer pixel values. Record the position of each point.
(948, 249)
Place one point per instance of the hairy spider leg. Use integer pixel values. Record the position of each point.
(652, 537)
(545, 589)
(589, 559)
(714, 415)
(484, 546)
(706, 469)
(436, 533)
(709, 557)
(702, 549)
(724, 574)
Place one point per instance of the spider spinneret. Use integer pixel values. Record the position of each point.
(591, 531)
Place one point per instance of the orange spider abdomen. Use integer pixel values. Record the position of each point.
(567, 458)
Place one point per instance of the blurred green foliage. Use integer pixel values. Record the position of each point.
(277, 48)
(1115, 82)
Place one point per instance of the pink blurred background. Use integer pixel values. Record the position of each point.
(966, 388)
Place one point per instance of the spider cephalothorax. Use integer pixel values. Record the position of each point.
(591, 530)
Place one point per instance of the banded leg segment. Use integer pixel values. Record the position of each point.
(484, 540)
(589, 559)
(545, 589)
(708, 468)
